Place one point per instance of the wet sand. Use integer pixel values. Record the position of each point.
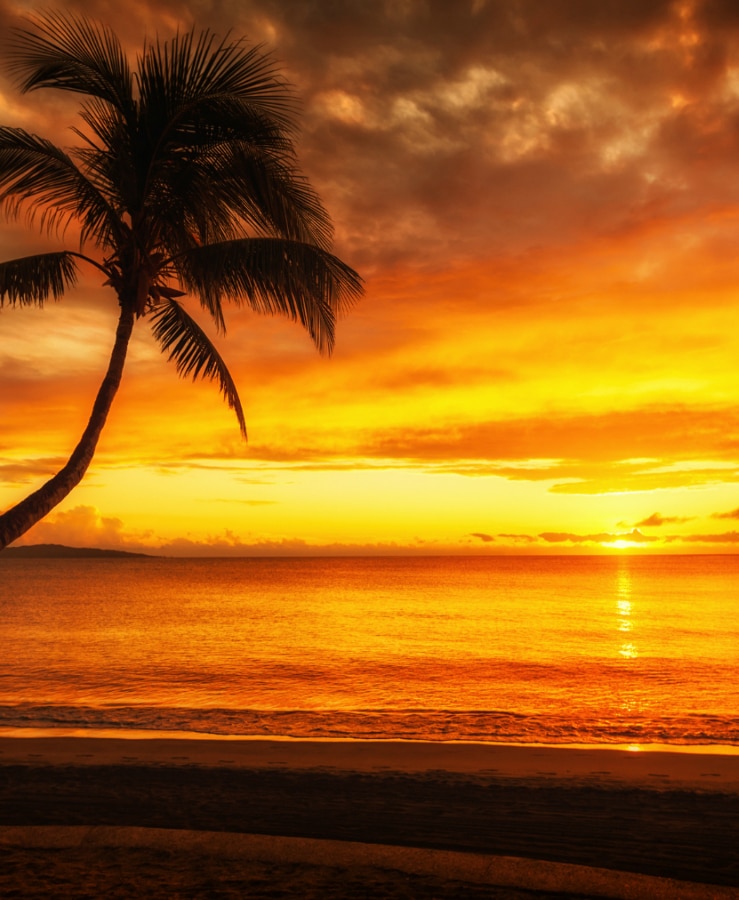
(451, 819)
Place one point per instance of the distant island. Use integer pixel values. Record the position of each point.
(59, 551)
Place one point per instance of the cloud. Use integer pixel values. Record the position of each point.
(499, 103)
(230, 545)
(519, 538)
(623, 450)
(28, 471)
(650, 433)
(559, 537)
(728, 537)
(656, 519)
(435, 377)
(80, 526)
(482, 100)
(477, 97)
(732, 514)
(85, 526)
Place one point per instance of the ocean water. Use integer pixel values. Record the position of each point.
(547, 649)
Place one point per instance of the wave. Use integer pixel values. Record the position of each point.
(381, 724)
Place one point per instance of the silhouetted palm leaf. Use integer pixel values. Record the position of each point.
(183, 76)
(34, 171)
(219, 115)
(193, 353)
(73, 54)
(273, 276)
(32, 279)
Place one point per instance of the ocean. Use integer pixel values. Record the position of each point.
(554, 650)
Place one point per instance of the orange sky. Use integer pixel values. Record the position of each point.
(543, 199)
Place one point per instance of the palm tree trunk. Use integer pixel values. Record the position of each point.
(19, 518)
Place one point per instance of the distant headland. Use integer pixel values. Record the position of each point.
(59, 551)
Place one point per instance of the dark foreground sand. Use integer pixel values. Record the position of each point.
(88, 817)
(153, 873)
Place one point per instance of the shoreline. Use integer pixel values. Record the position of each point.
(33, 731)
(654, 768)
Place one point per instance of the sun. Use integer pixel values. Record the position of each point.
(621, 544)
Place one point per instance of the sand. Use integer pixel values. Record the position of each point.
(174, 816)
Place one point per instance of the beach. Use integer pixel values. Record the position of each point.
(451, 819)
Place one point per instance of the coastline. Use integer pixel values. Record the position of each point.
(656, 767)
(670, 814)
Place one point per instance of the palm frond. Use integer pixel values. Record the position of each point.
(225, 193)
(70, 53)
(30, 280)
(35, 171)
(222, 113)
(275, 277)
(107, 155)
(193, 353)
(189, 72)
(267, 191)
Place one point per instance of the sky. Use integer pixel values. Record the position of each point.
(543, 201)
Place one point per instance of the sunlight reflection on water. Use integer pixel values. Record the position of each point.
(625, 611)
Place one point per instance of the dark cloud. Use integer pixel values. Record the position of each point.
(467, 128)
(454, 112)
(717, 15)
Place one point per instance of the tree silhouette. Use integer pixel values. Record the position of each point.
(185, 182)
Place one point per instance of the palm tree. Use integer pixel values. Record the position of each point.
(185, 182)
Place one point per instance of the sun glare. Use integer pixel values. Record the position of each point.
(621, 544)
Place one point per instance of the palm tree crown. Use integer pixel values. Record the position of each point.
(185, 182)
